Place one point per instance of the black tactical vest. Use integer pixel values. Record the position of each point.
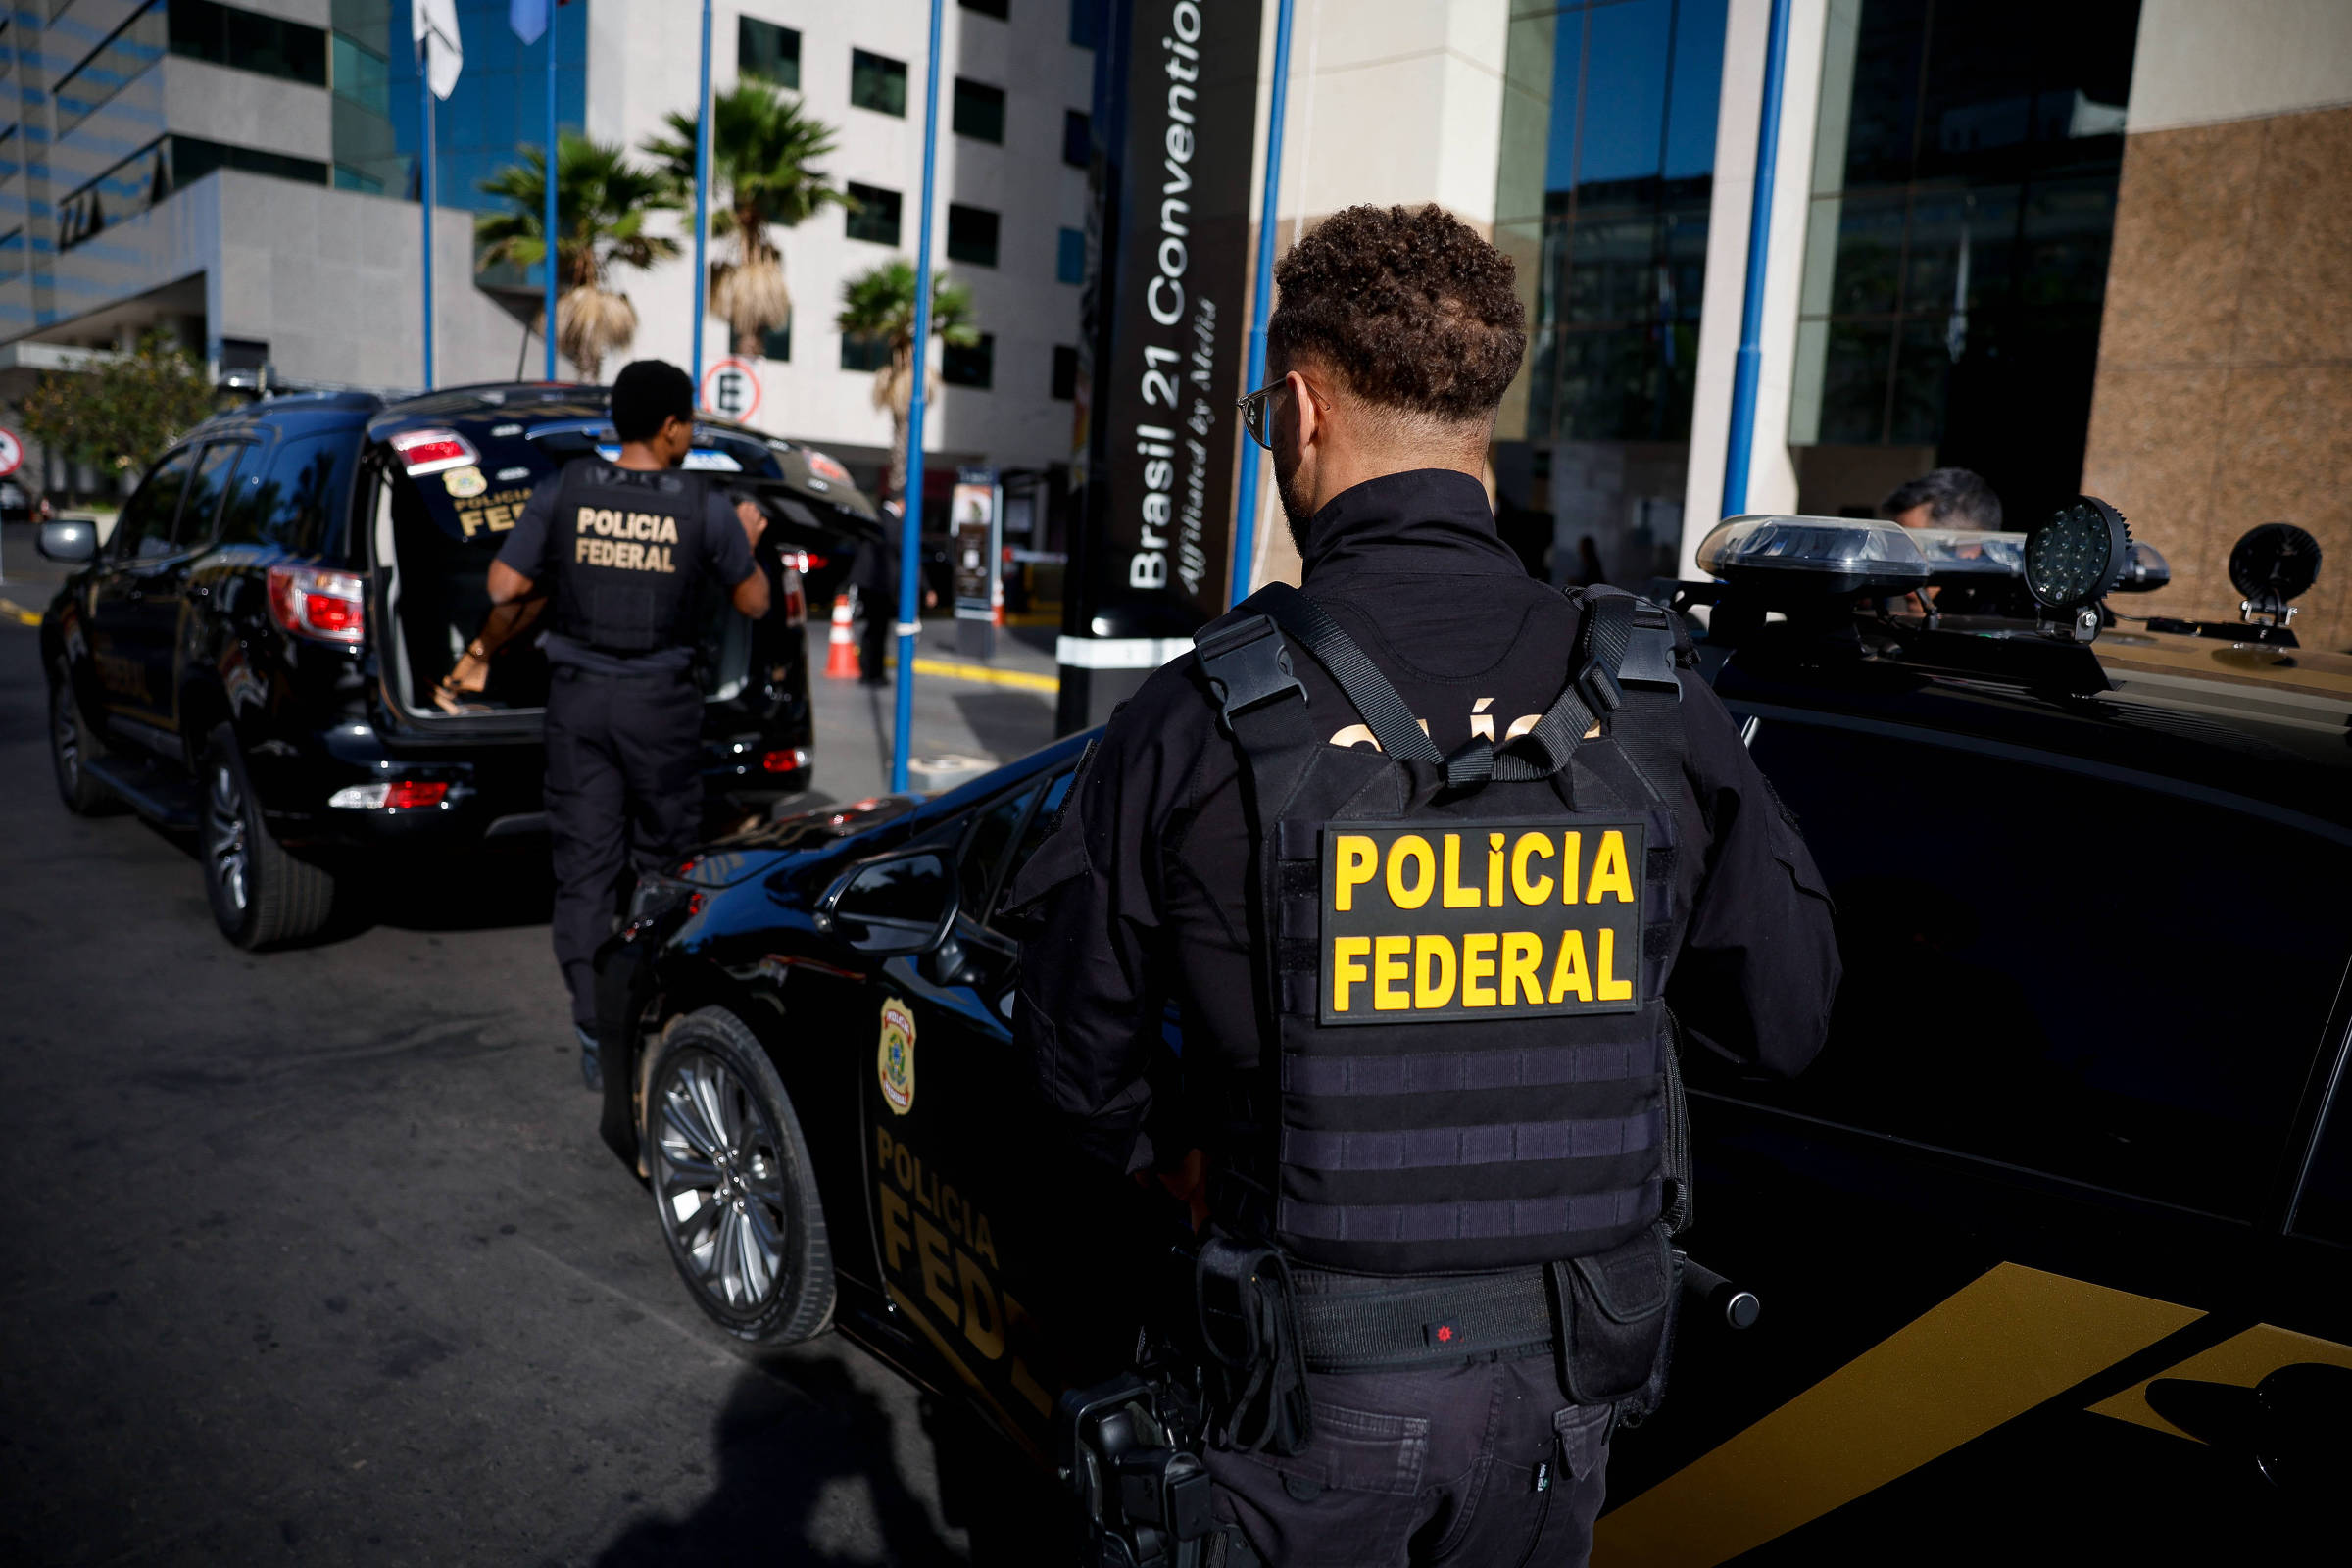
(627, 548)
(1461, 959)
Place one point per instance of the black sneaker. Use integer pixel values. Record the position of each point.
(592, 1072)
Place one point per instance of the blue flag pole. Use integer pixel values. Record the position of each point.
(424, 83)
(702, 200)
(549, 221)
(1244, 522)
(1747, 365)
(910, 533)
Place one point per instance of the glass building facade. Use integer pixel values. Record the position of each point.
(1963, 201)
(1602, 198)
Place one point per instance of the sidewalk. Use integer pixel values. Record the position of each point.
(989, 712)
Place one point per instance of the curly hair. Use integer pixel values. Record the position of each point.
(1409, 304)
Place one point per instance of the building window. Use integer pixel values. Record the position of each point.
(362, 76)
(971, 235)
(110, 68)
(878, 83)
(163, 165)
(766, 52)
(1065, 373)
(1077, 138)
(1956, 254)
(861, 352)
(1069, 257)
(1082, 22)
(974, 367)
(12, 254)
(776, 342)
(999, 9)
(979, 111)
(230, 35)
(873, 213)
(350, 178)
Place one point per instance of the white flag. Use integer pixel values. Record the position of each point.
(436, 25)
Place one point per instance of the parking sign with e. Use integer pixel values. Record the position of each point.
(731, 389)
(12, 453)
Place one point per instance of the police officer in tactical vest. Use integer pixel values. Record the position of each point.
(1436, 868)
(619, 548)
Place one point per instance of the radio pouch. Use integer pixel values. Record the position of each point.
(1251, 1360)
(1616, 1314)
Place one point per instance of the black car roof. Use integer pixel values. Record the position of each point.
(538, 402)
(2260, 724)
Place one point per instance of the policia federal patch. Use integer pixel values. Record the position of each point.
(1483, 919)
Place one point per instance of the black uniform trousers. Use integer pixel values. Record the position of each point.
(623, 788)
(1476, 1463)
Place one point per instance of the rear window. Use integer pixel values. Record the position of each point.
(296, 494)
(2060, 971)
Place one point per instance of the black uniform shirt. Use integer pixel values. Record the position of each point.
(726, 552)
(1141, 898)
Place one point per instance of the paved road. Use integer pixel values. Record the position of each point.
(316, 1257)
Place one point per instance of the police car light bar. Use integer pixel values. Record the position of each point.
(1849, 556)
(423, 452)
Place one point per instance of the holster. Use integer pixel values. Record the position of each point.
(1616, 1316)
(1252, 1368)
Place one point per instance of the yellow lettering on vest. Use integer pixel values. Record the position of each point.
(1410, 847)
(1612, 989)
(1457, 897)
(658, 558)
(1572, 850)
(1427, 992)
(1475, 995)
(1388, 974)
(1347, 967)
(1568, 974)
(1495, 870)
(580, 547)
(669, 534)
(1529, 846)
(1609, 873)
(585, 523)
(1359, 862)
(1522, 951)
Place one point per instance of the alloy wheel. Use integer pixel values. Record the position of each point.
(225, 851)
(65, 736)
(718, 1175)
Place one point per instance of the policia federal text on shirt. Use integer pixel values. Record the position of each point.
(1419, 857)
(620, 546)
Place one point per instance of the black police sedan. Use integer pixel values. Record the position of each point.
(2054, 1248)
(253, 653)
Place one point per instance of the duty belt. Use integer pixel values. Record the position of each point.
(1348, 1324)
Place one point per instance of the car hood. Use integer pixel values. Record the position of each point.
(747, 853)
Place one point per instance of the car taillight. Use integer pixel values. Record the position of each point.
(424, 451)
(397, 795)
(328, 606)
(790, 760)
(796, 604)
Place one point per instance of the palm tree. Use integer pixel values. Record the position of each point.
(762, 149)
(602, 199)
(879, 306)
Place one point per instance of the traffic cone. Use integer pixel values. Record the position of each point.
(841, 649)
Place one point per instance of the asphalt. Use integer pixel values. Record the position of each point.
(316, 1256)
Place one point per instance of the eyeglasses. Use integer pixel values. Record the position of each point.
(1253, 413)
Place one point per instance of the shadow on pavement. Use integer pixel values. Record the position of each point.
(1009, 723)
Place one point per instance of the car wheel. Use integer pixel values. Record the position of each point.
(73, 746)
(262, 897)
(733, 1182)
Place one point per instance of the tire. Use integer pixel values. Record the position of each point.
(72, 744)
(719, 1127)
(261, 896)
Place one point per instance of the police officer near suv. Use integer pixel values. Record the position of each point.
(1419, 855)
(620, 546)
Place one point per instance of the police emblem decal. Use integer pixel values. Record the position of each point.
(893, 1062)
(465, 483)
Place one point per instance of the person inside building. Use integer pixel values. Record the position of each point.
(1952, 498)
(617, 548)
(1419, 1110)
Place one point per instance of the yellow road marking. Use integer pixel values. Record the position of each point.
(1986, 1354)
(22, 617)
(955, 669)
(2241, 1360)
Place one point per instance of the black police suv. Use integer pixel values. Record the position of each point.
(2054, 1250)
(253, 653)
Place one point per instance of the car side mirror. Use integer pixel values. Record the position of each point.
(72, 540)
(895, 904)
